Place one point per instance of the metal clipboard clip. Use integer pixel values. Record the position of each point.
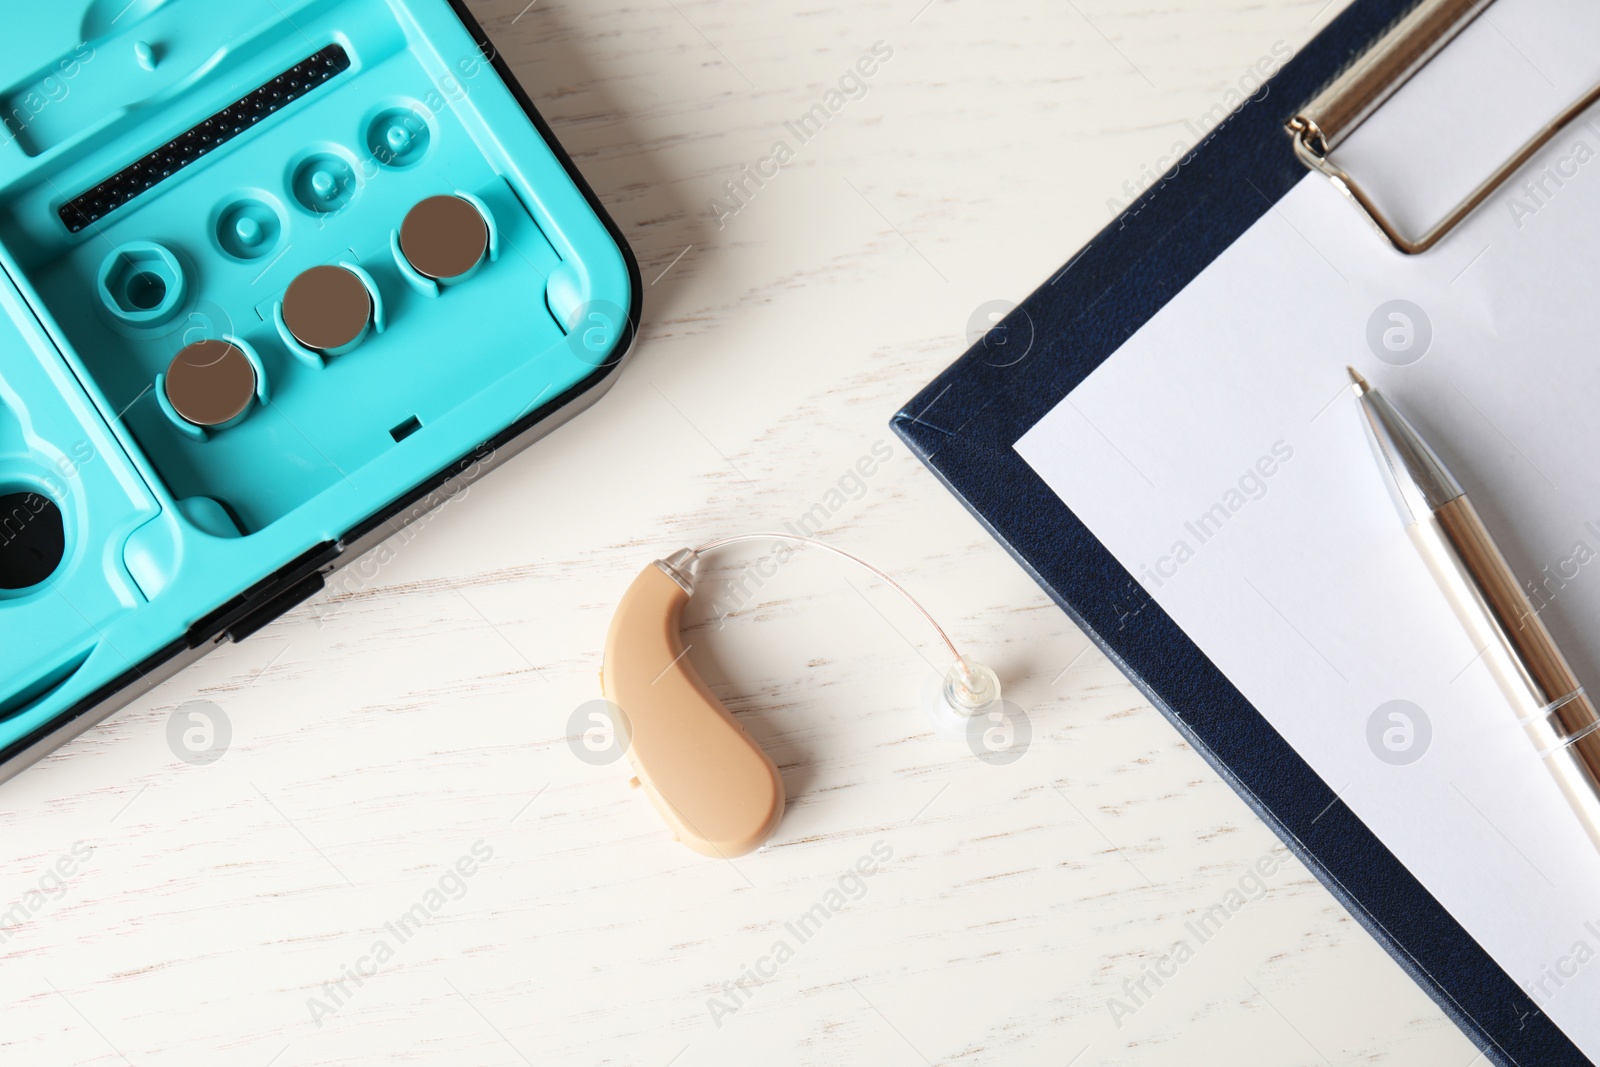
(1350, 99)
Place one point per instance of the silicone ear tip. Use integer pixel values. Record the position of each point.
(973, 692)
(959, 697)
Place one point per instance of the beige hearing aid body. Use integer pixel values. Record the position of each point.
(720, 794)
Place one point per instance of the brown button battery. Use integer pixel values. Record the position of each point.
(444, 237)
(327, 308)
(210, 383)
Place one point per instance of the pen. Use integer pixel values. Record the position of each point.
(1445, 527)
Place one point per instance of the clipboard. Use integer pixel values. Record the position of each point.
(965, 423)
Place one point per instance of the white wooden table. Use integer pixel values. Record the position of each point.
(416, 716)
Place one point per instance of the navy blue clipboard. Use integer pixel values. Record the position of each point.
(964, 424)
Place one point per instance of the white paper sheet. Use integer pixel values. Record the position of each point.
(1219, 456)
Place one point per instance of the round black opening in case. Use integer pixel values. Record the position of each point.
(32, 539)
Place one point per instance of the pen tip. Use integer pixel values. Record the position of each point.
(1361, 385)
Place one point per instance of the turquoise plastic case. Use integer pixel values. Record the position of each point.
(167, 168)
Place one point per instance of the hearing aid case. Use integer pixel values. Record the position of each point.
(168, 168)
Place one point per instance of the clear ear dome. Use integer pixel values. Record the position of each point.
(959, 697)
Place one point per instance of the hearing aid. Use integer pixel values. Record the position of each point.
(712, 784)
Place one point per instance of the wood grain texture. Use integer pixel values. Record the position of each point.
(420, 708)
